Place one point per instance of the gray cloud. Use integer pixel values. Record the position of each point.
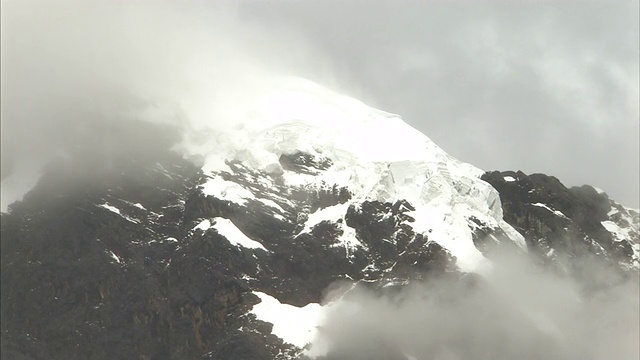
(76, 75)
(518, 311)
(539, 86)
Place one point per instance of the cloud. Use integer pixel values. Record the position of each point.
(75, 73)
(533, 86)
(525, 85)
(518, 311)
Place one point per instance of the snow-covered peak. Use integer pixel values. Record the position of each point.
(376, 155)
(296, 115)
(305, 193)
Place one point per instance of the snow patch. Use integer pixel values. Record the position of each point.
(111, 208)
(448, 227)
(348, 239)
(139, 206)
(236, 237)
(509, 179)
(555, 212)
(334, 214)
(115, 257)
(513, 234)
(618, 233)
(330, 213)
(204, 225)
(272, 204)
(115, 210)
(226, 190)
(294, 325)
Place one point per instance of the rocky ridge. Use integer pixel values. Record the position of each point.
(147, 256)
(136, 265)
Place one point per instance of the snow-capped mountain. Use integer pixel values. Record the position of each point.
(154, 257)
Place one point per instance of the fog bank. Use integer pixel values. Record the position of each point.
(517, 311)
(76, 72)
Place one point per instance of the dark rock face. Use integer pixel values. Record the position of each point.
(76, 273)
(106, 269)
(560, 221)
(107, 262)
(395, 251)
(304, 163)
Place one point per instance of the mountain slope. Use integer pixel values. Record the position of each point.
(153, 257)
(576, 221)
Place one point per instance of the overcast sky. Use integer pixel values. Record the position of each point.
(537, 86)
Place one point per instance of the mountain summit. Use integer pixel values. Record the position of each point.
(153, 257)
(309, 138)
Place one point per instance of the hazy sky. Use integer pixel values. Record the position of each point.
(538, 86)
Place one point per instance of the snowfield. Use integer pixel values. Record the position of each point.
(367, 157)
